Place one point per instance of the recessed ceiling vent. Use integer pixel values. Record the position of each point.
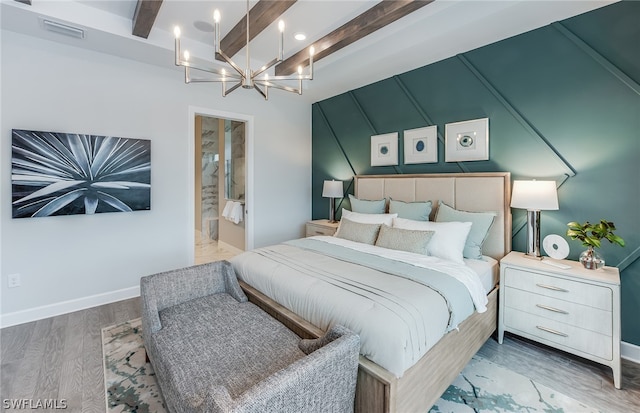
(63, 29)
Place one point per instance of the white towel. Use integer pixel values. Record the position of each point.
(226, 212)
(237, 212)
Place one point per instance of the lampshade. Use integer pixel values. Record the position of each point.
(534, 195)
(332, 189)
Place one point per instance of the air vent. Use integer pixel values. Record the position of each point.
(63, 29)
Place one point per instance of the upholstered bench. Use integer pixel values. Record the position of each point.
(213, 351)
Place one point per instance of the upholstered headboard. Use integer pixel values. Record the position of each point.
(476, 192)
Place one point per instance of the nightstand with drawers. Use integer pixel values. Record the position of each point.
(321, 227)
(574, 309)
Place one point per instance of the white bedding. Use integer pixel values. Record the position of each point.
(463, 274)
(394, 335)
(486, 270)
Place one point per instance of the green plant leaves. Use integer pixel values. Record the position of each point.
(591, 234)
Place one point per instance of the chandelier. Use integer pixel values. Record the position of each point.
(247, 78)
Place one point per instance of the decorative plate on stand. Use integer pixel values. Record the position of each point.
(555, 246)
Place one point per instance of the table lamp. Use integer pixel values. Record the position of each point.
(332, 190)
(534, 196)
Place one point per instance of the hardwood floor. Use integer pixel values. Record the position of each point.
(61, 358)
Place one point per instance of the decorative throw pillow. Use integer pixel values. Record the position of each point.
(481, 223)
(358, 232)
(364, 206)
(447, 242)
(368, 218)
(418, 211)
(404, 239)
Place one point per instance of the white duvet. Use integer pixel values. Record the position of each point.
(460, 272)
(398, 320)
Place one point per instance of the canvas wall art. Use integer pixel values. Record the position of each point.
(66, 173)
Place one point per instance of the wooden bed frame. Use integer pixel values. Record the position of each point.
(378, 390)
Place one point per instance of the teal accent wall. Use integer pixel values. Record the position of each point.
(563, 103)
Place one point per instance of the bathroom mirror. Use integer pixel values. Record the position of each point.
(235, 167)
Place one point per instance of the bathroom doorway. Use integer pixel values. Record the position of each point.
(219, 187)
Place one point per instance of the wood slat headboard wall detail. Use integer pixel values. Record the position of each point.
(474, 192)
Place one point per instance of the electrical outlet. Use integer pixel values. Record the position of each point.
(14, 280)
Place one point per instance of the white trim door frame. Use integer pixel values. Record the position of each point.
(249, 122)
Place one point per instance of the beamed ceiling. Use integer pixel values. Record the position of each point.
(265, 12)
(356, 41)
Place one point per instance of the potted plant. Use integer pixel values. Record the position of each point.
(591, 235)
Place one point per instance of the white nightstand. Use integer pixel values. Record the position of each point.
(321, 227)
(575, 309)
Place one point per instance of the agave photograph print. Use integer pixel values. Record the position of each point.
(67, 173)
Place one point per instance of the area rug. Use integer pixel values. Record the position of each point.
(483, 386)
(130, 383)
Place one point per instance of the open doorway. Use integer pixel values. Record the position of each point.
(220, 190)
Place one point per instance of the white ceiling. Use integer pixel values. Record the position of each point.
(437, 31)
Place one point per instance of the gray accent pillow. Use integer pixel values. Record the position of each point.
(480, 224)
(364, 206)
(358, 232)
(417, 211)
(409, 240)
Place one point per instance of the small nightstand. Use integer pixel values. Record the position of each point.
(575, 309)
(321, 227)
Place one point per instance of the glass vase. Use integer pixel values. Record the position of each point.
(591, 259)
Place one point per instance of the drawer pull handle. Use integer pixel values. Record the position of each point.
(551, 287)
(555, 310)
(319, 232)
(548, 330)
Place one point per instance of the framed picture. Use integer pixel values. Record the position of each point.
(384, 149)
(67, 173)
(467, 141)
(421, 145)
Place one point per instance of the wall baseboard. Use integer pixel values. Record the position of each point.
(63, 307)
(630, 352)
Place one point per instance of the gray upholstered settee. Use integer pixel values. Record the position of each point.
(213, 351)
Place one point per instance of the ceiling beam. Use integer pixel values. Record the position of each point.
(380, 15)
(261, 15)
(144, 17)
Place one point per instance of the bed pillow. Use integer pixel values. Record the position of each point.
(481, 223)
(358, 232)
(369, 218)
(404, 239)
(418, 211)
(364, 206)
(447, 242)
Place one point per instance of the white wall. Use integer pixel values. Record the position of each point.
(70, 262)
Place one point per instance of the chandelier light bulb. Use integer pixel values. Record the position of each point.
(176, 32)
(216, 16)
(186, 55)
(281, 26)
(299, 70)
(312, 51)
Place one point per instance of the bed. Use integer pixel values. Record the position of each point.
(401, 369)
